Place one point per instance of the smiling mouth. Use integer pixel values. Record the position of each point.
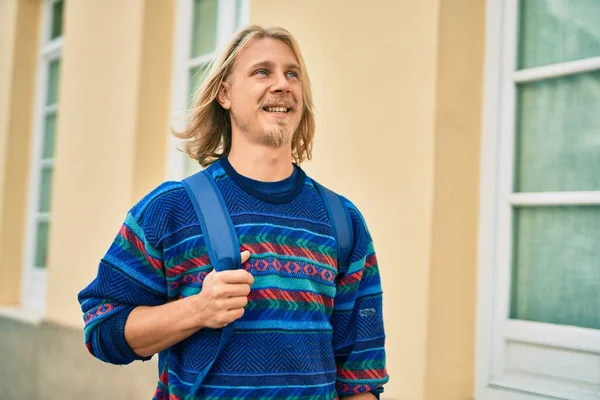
(280, 110)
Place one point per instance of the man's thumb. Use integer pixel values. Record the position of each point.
(245, 256)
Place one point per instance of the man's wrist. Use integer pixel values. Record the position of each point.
(194, 312)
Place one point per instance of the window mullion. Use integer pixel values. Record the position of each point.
(42, 217)
(557, 70)
(555, 198)
(50, 110)
(47, 163)
(52, 49)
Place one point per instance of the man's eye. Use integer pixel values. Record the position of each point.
(261, 72)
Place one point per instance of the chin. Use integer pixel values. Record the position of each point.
(276, 137)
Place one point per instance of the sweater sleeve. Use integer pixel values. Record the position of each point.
(357, 320)
(130, 274)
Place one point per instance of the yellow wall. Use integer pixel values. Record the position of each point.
(8, 13)
(154, 107)
(452, 288)
(19, 48)
(396, 85)
(112, 134)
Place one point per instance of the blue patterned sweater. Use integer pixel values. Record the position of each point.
(308, 332)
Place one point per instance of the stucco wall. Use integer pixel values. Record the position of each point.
(112, 134)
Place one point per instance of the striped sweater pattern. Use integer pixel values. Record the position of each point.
(309, 331)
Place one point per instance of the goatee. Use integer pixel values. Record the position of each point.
(277, 137)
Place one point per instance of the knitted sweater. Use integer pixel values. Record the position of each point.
(308, 332)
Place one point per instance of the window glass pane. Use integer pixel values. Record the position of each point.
(558, 134)
(57, 19)
(41, 245)
(49, 136)
(196, 75)
(556, 270)
(45, 189)
(204, 29)
(53, 76)
(553, 31)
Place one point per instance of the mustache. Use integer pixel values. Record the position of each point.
(283, 102)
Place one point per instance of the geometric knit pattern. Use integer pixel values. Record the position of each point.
(309, 331)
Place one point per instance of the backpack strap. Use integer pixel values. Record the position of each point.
(341, 224)
(219, 234)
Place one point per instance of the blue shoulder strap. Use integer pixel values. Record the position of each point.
(339, 217)
(221, 239)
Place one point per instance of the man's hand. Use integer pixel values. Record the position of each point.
(149, 330)
(223, 297)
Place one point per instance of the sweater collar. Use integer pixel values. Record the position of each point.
(278, 192)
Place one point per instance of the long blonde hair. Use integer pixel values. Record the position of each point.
(208, 133)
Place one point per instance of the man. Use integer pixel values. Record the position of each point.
(302, 328)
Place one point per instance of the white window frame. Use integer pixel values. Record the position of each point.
(494, 327)
(34, 280)
(183, 62)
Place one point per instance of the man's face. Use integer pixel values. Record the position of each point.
(264, 93)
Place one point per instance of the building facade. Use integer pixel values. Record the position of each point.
(466, 131)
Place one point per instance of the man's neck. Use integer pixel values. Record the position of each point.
(261, 163)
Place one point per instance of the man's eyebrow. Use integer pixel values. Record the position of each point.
(271, 65)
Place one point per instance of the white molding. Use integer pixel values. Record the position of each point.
(244, 17)
(566, 337)
(45, 27)
(555, 198)
(182, 45)
(537, 386)
(557, 70)
(504, 167)
(487, 196)
(503, 393)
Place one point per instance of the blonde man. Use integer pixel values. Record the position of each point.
(303, 329)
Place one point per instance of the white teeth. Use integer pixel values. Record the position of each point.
(277, 109)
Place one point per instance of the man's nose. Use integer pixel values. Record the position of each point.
(281, 84)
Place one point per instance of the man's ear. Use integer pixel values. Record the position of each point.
(223, 96)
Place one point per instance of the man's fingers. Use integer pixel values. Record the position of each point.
(234, 290)
(234, 303)
(236, 276)
(236, 314)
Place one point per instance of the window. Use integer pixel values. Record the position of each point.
(204, 28)
(42, 165)
(540, 221)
